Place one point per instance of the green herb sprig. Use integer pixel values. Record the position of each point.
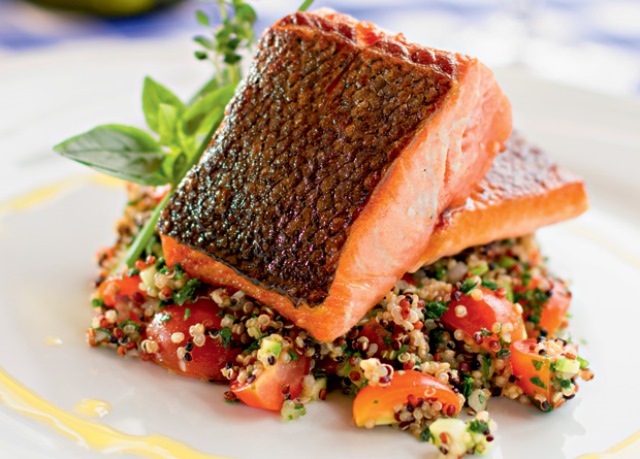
(180, 131)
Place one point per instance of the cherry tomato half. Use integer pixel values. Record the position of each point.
(117, 288)
(548, 315)
(534, 371)
(203, 362)
(480, 315)
(268, 390)
(374, 404)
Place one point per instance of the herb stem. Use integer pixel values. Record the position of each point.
(142, 237)
(223, 10)
(305, 5)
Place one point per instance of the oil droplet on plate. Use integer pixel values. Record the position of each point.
(52, 341)
(93, 408)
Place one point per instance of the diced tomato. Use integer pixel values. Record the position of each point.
(534, 371)
(376, 334)
(268, 390)
(479, 316)
(374, 404)
(118, 288)
(204, 362)
(549, 315)
(408, 278)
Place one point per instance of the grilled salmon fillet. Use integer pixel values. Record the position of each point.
(523, 191)
(338, 154)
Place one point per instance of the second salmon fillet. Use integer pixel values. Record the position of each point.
(339, 141)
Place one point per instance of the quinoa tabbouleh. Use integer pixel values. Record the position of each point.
(487, 322)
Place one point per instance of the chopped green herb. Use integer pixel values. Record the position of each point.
(425, 435)
(506, 262)
(537, 364)
(564, 383)
(435, 337)
(187, 313)
(468, 285)
(480, 427)
(293, 356)
(467, 387)
(538, 382)
(485, 332)
(226, 335)
(490, 285)
(503, 353)
(486, 366)
(129, 322)
(178, 272)
(97, 303)
(165, 317)
(441, 273)
(479, 270)
(435, 309)
(187, 292)
(133, 272)
(402, 350)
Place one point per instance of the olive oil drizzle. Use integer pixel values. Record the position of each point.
(90, 434)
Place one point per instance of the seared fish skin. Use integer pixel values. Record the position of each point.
(339, 141)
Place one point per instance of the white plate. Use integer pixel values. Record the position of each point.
(46, 250)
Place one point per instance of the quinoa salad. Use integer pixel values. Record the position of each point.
(488, 322)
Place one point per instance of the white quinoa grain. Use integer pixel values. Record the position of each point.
(177, 337)
(460, 311)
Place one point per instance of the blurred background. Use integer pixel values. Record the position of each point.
(570, 67)
(589, 43)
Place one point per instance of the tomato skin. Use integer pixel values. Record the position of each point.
(266, 391)
(482, 314)
(554, 311)
(119, 287)
(206, 361)
(374, 404)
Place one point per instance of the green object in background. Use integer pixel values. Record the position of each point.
(106, 8)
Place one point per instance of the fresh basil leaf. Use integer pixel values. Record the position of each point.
(124, 152)
(213, 119)
(167, 122)
(206, 108)
(154, 95)
(208, 87)
(174, 166)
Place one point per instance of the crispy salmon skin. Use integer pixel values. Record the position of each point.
(338, 155)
